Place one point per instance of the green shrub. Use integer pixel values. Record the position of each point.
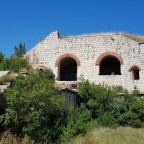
(106, 119)
(96, 98)
(14, 64)
(78, 121)
(130, 110)
(109, 110)
(118, 89)
(35, 108)
(48, 74)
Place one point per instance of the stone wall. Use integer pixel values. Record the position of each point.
(4, 86)
(86, 50)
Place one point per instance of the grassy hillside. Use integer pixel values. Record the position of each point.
(120, 135)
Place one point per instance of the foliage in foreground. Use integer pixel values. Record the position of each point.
(98, 100)
(108, 109)
(129, 111)
(78, 121)
(35, 107)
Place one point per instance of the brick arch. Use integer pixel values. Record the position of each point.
(133, 67)
(106, 54)
(67, 55)
(41, 67)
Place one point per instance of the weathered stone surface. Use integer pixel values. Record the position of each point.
(3, 87)
(3, 73)
(88, 51)
(69, 96)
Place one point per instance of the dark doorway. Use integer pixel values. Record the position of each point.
(68, 70)
(135, 74)
(110, 66)
(41, 69)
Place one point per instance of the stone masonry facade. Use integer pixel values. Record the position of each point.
(89, 51)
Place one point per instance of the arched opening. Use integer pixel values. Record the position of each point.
(68, 69)
(135, 72)
(110, 65)
(41, 69)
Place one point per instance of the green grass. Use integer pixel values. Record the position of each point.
(120, 135)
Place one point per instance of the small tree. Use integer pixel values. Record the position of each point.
(21, 50)
(15, 64)
(2, 56)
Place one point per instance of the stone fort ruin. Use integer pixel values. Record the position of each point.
(111, 58)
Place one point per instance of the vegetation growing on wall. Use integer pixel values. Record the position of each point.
(139, 39)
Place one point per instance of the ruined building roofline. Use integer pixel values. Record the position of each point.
(56, 35)
(137, 38)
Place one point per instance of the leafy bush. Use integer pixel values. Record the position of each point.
(109, 110)
(129, 111)
(98, 99)
(14, 64)
(106, 119)
(118, 89)
(47, 73)
(35, 108)
(78, 121)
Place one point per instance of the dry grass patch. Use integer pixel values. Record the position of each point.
(120, 135)
(139, 39)
(8, 138)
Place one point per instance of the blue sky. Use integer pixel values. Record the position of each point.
(30, 20)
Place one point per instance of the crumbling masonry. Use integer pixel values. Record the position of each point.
(109, 58)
